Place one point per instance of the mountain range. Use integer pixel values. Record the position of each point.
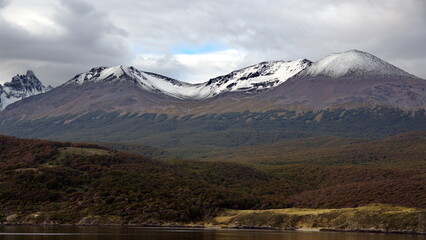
(349, 94)
(256, 78)
(349, 79)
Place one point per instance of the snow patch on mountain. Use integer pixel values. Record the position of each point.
(255, 78)
(353, 62)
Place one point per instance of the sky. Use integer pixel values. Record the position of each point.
(195, 40)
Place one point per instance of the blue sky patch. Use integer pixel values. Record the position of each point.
(198, 49)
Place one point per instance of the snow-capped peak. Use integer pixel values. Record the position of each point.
(20, 87)
(255, 78)
(353, 62)
(146, 80)
(98, 74)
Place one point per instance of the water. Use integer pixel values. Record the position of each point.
(122, 233)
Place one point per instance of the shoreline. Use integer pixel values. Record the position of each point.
(216, 228)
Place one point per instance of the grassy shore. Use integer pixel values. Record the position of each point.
(373, 217)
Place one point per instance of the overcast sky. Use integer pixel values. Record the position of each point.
(194, 40)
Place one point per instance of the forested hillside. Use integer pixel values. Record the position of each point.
(59, 182)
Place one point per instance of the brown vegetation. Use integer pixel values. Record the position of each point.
(64, 182)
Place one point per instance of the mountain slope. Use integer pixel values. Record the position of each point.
(20, 87)
(91, 97)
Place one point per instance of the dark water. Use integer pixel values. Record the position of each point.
(118, 233)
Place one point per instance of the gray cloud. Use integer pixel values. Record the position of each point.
(166, 65)
(4, 3)
(126, 32)
(86, 37)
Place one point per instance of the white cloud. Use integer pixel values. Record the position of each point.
(194, 68)
(34, 18)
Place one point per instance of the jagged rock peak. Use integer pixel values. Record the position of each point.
(20, 87)
(25, 83)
